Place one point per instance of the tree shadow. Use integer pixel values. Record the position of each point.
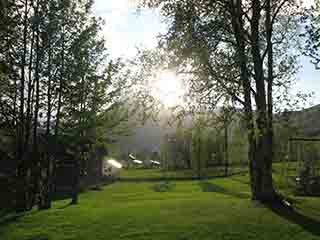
(4, 212)
(9, 218)
(292, 215)
(210, 187)
(37, 237)
(165, 186)
(12, 216)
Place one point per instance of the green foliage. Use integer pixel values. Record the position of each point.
(57, 87)
(312, 34)
(203, 143)
(163, 154)
(238, 143)
(198, 146)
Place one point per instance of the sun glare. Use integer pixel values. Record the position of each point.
(168, 89)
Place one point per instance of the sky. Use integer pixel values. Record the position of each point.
(126, 29)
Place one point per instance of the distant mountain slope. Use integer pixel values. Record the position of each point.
(307, 121)
(145, 137)
(148, 137)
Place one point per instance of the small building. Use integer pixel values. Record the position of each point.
(111, 168)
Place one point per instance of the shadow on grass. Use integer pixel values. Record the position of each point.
(9, 218)
(37, 237)
(210, 187)
(163, 186)
(309, 224)
(4, 212)
(12, 216)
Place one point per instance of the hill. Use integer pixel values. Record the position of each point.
(307, 121)
(147, 137)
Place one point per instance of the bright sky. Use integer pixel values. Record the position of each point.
(125, 30)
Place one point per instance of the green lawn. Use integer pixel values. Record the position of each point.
(185, 210)
(159, 173)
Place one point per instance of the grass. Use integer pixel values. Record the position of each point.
(183, 173)
(184, 210)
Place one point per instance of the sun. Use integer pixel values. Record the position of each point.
(167, 88)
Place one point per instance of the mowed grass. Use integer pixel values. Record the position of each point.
(181, 173)
(186, 210)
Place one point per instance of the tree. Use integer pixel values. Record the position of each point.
(226, 116)
(312, 24)
(231, 49)
(57, 84)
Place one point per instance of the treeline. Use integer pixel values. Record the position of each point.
(211, 140)
(217, 140)
(57, 91)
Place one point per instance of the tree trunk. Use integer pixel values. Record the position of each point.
(237, 23)
(226, 150)
(199, 154)
(187, 153)
(49, 90)
(30, 89)
(22, 179)
(259, 156)
(75, 194)
(36, 156)
(61, 80)
(45, 201)
(263, 170)
(270, 75)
